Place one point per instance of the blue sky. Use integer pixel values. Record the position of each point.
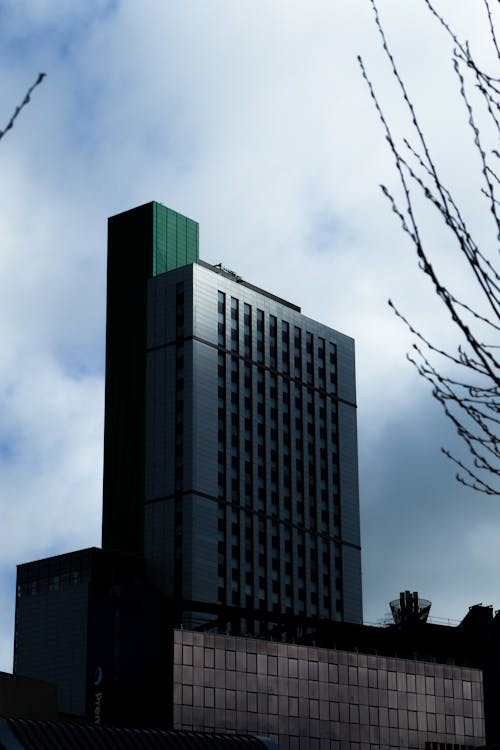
(250, 117)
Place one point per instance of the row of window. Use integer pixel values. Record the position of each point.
(305, 358)
(52, 583)
(254, 474)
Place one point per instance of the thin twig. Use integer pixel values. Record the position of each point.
(21, 106)
(472, 400)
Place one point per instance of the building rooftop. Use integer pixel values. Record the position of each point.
(233, 276)
(23, 734)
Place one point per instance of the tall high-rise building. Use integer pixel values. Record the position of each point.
(230, 480)
(230, 458)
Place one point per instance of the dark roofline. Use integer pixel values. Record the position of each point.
(26, 734)
(238, 280)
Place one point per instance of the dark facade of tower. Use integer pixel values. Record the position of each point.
(142, 243)
(230, 436)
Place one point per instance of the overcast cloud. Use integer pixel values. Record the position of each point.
(251, 117)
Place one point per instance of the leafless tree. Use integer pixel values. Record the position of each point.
(465, 380)
(25, 101)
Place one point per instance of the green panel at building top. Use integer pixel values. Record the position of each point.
(175, 239)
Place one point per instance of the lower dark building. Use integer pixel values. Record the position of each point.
(475, 642)
(89, 623)
(323, 698)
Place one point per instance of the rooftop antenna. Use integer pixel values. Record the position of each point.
(410, 608)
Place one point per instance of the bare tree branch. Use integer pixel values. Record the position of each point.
(471, 401)
(21, 106)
